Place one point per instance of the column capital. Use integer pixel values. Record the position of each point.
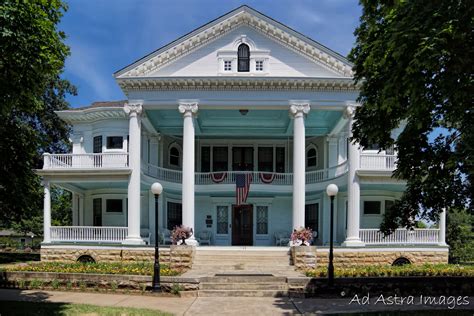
(188, 108)
(133, 108)
(349, 111)
(297, 108)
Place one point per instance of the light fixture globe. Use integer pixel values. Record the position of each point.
(332, 190)
(156, 188)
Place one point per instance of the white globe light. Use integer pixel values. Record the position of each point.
(332, 190)
(156, 188)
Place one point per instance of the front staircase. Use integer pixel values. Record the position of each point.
(242, 271)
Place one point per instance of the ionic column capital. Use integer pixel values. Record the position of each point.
(188, 108)
(349, 111)
(133, 109)
(299, 108)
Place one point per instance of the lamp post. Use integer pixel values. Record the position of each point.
(156, 189)
(331, 191)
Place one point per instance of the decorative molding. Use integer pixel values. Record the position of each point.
(188, 108)
(133, 109)
(92, 114)
(297, 108)
(237, 84)
(265, 26)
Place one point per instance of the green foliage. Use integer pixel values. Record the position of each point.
(396, 271)
(32, 57)
(137, 268)
(176, 288)
(55, 284)
(413, 60)
(460, 236)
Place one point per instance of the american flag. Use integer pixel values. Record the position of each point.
(242, 186)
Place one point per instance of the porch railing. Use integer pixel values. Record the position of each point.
(258, 177)
(377, 162)
(400, 236)
(88, 233)
(85, 161)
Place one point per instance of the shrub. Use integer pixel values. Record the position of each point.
(55, 284)
(176, 288)
(181, 232)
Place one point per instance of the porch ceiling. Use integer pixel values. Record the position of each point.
(231, 123)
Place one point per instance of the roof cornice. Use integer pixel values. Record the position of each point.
(92, 114)
(217, 28)
(237, 83)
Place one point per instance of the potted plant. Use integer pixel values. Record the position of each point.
(301, 237)
(180, 234)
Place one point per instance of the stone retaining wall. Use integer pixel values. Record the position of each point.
(304, 257)
(177, 257)
(382, 257)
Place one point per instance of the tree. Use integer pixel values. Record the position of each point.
(460, 236)
(32, 57)
(413, 61)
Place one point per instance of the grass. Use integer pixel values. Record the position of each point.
(137, 268)
(397, 271)
(53, 309)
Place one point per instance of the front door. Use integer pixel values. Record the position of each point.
(242, 225)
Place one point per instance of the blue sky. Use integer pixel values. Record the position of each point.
(106, 35)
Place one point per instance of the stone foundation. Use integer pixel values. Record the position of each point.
(177, 257)
(304, 257)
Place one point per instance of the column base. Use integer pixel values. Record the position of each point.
(133, 241)
(353, 242)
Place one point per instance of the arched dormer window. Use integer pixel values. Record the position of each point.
(174, 155)
(243, 54)
(312, 157)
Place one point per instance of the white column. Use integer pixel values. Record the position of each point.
(188, 110)
(442, 228)
(75, 209)
(353, 190)
(134, 111)
(298, 111)
(47, 212)
(81, 210)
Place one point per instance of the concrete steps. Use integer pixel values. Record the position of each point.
(243, 285)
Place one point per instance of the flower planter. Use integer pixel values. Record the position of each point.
(304, 257)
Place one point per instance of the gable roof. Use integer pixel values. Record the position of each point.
(243, 15)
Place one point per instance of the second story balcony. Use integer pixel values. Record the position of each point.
(86, 161)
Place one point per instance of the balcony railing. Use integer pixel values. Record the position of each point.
(258, 177)
(400, 236)
(85, 161)
(377, 162)
(88, 234)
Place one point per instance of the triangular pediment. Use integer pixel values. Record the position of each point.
(291, 54)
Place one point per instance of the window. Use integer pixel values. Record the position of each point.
(220, 159)
(262, 220)
(243, 54)
(311, 216)
(222, 220)
(97, 147)
(205, 159)
(388, 205)
(175, 215)
(280, 159)
(97, 212)
(114, 142)
(114, 206)
(174, 156)
(372, 207)
(227, 65)
(265, 159)
(311, 157)
(259, 65)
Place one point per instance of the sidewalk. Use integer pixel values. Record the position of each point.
(214, 305)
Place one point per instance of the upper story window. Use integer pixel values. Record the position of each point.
(114, 142)
(259, 65)
(227, 65)
(312, 157)
(174, 156)
(243, 55)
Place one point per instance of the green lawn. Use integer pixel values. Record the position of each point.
(52, 309)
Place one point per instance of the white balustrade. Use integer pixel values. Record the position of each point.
(400, 236)
(88, 233)
(85, 161)
(377, 162)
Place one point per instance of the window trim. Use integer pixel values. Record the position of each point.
(256, 219)
(308, 148)
(107, 143)
(381, 198)
(243, 58)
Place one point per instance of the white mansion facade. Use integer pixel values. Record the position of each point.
(241, 95)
